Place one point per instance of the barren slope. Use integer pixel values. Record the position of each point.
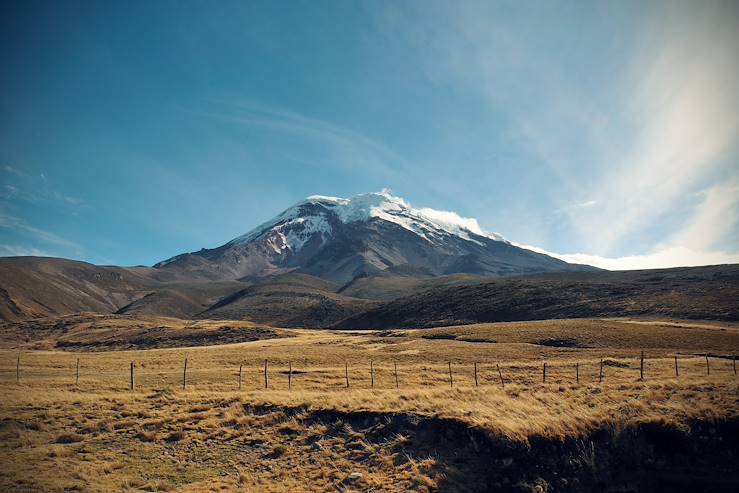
(690, 293)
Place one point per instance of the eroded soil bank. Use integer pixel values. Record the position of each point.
(164, 442)
(651, 457)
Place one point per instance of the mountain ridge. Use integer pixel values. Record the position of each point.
(40, 287)
(368, 261)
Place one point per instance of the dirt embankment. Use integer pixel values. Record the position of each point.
(653, 457)
(164, 441)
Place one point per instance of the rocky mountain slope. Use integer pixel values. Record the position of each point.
(343, 239)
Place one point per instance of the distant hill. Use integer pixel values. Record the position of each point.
(32, 287)
(685, 293)
(40, 287)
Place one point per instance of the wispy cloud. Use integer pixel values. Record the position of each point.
(577, 206)
(68, 199)
(349, 148)
(22, 251)
(34, 188)
(685, 130)
(37, 234)
(8, 192)
(9, 169)
(631, 146)
(716, 216)
(697, 243)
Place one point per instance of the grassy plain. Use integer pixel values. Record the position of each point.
(309, 431)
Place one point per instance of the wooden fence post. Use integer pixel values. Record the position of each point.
(544, 373)
(577, 372)
(184, 376)
(289, 375)
(18, 369)
(240, 369)
(677, 372)
(77, 380)
(451, 381)
(600, 373)
(396, 374)
(265, 375)
(372, 374)
(641, 366)
(346, 373)
(502, 383)
(476, 374)
(734, 364)
(708, 366)
(132, 375)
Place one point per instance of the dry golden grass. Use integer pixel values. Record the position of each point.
(100, 436)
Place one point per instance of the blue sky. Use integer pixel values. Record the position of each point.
(604, 132)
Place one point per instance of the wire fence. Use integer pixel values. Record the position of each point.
(368, 374)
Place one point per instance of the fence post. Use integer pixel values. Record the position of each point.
(395, 363)
(240, 368)
(600, 373)
(77, 380)
(131, 375)
(475, 373)
(677, 372)
(184, 376)
(544, 373)
(346, 373)
(734, 364)
(641, 366)
(18, 369)
(708, 366)
(289, 375)
(372, 374)
(577, 372)
(502, 383)
(265, 374)
(451, 381)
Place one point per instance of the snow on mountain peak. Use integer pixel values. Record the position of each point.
(425, 222)
(386, 206)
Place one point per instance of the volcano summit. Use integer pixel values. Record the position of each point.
(342, 239)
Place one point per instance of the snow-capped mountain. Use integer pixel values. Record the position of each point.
(429, 224)
(341, 239)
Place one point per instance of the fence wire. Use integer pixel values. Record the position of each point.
(370, 374)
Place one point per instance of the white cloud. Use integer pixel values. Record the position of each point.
(717, 214)
(632, 145)
(695, 244)
(577, 206)
(668, 257)
(453, 219)
(685, 87)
